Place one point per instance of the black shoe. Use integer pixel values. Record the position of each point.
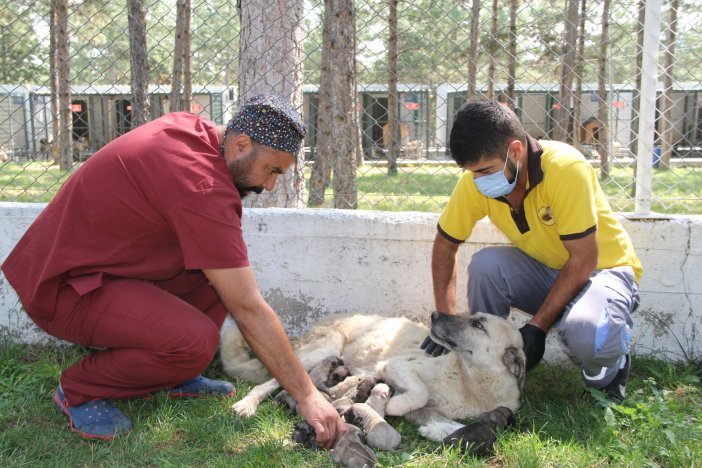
(616, 389)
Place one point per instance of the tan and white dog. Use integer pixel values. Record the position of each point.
(484, 370)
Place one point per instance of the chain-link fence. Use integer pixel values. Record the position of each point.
(572, 70)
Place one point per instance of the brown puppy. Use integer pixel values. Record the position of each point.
(379, 433)
(349, 450)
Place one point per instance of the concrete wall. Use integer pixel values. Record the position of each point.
(314, 262)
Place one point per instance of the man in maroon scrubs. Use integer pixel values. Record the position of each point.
(141, 253)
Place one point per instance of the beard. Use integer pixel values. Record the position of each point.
(240, 169)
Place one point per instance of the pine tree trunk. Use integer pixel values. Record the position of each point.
(666, 127)
(175, 100)
(343, 120)
(473, 48)
(565, 95)
(321, 167)
(492, 48)
(139, 62)
(512, 68)
(393, 133)
(602, 140)
(270, 60)
(358, 145)
(54, 80)
(579, 62)
(64, 139)
(187, 72)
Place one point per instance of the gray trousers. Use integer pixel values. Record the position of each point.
(595, 327)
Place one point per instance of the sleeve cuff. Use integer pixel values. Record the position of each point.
(579, 235)
(447, 237)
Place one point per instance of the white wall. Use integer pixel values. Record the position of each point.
(314, 262)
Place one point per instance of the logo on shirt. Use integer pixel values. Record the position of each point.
(545, 215)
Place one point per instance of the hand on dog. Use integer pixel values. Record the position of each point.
(322, 416)
(534, 344)
(350, 448)
(432, 348)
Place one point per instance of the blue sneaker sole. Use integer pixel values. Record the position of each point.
(107, 437)
(200, 386)
(199, 395)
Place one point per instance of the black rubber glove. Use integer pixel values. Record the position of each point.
(534, 344)
(433, 348)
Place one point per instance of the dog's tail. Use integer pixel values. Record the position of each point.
(236, 362)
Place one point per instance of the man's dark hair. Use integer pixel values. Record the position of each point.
(483, 128)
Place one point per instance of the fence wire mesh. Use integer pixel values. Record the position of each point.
(570, 69)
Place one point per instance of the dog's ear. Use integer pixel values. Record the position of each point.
(515, 361)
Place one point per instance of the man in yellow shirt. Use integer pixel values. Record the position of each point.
(572, 265)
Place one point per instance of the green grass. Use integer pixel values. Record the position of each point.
(30, 182)
(414, 188)
(674, 191)
(659, 424)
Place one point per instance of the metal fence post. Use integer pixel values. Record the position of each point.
(647, 109)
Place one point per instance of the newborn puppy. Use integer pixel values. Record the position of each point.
(478, 437)
(379, 397)
(338, 375)
(379, 433)
(283, 398)
(321, 374)
(355, 387)
(304, 434)
(349, 450)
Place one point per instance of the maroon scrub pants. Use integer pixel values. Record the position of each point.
(155, 334)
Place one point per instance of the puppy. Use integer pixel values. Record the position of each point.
(379, 397)
(322, 374)
(349, 450)
(355, 387)
(379, 433)
(479, 437)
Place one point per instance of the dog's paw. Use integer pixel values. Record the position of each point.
(399, 405)
(476, 438)
(244, 408)
(437, 431)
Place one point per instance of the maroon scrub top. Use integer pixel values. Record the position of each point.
(152, 203)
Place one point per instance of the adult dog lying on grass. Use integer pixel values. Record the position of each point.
(484, 370)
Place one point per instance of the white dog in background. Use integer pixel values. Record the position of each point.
(484, 370)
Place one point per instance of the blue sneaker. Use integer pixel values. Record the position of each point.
(202, 386)
(97, 419)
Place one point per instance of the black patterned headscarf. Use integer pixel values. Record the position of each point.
(270, 121)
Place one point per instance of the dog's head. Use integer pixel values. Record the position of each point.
(481, 340)
(305, 434)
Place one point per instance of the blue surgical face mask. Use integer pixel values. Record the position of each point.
(496, 185)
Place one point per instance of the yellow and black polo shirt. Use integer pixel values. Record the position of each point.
(563, 201)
